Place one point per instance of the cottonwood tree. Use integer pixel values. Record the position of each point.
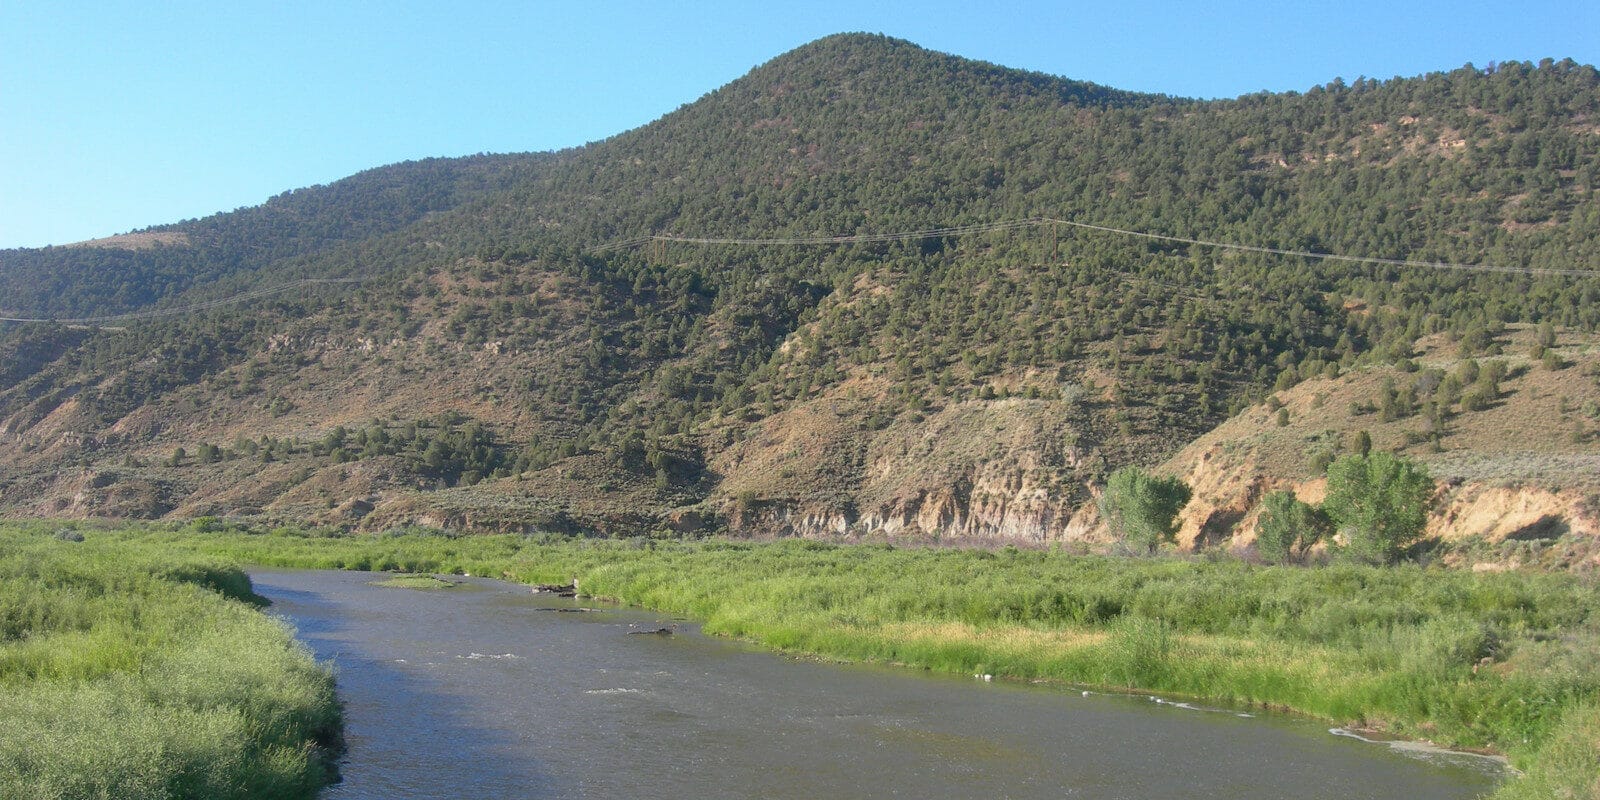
(1287, 527)
(1142, 508)
(1379, 502)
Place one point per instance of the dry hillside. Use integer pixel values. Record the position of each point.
(1524, 467)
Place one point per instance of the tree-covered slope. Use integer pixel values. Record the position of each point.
(296, 234)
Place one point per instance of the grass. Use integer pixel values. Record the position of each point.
(425, 582)
(1496, 661)
(124, 675)
(1568, 767)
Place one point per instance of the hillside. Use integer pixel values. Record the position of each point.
(1516, 457)
(511, 356)
(309, 232)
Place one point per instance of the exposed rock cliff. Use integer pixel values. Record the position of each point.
(1008, 469)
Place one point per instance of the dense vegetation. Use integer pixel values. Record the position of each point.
(1498, 660)
(689, 345)
(149, 677)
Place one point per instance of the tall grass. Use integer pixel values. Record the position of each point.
(1501, 661)
(127, 675)
(1568, 767)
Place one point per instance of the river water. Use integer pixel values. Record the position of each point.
(488, 691)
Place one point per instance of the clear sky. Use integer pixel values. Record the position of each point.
(120, 115)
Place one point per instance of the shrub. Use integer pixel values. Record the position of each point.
(1362, 444)
(1379, 502)
(1480, 398)
(1546, 335)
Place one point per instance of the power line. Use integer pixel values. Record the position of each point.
(622, 245)
(1395, 262)
(926, 233)
(184, 309)
(932, 233)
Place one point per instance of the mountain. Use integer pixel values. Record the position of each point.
(511, 350)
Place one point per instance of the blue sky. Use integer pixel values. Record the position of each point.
(115, 116)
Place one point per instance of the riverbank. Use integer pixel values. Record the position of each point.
(141, 675)
(1497, 661)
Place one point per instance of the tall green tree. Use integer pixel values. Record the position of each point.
(1141, 508)
(1379, 502)
(1287, 527)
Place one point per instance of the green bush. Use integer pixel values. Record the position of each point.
(1287, 527)
(1141, 508)
(1379, 503)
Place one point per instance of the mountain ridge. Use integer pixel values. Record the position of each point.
(809, 389)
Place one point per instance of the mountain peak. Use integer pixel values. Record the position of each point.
(890, 66)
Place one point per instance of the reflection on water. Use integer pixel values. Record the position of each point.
(472, 692)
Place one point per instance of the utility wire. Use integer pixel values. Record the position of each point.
(1030, 222)
(927, 233)
(930, 233)
(622, 245)
(1395, 262)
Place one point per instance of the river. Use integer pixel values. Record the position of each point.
(487, 691)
